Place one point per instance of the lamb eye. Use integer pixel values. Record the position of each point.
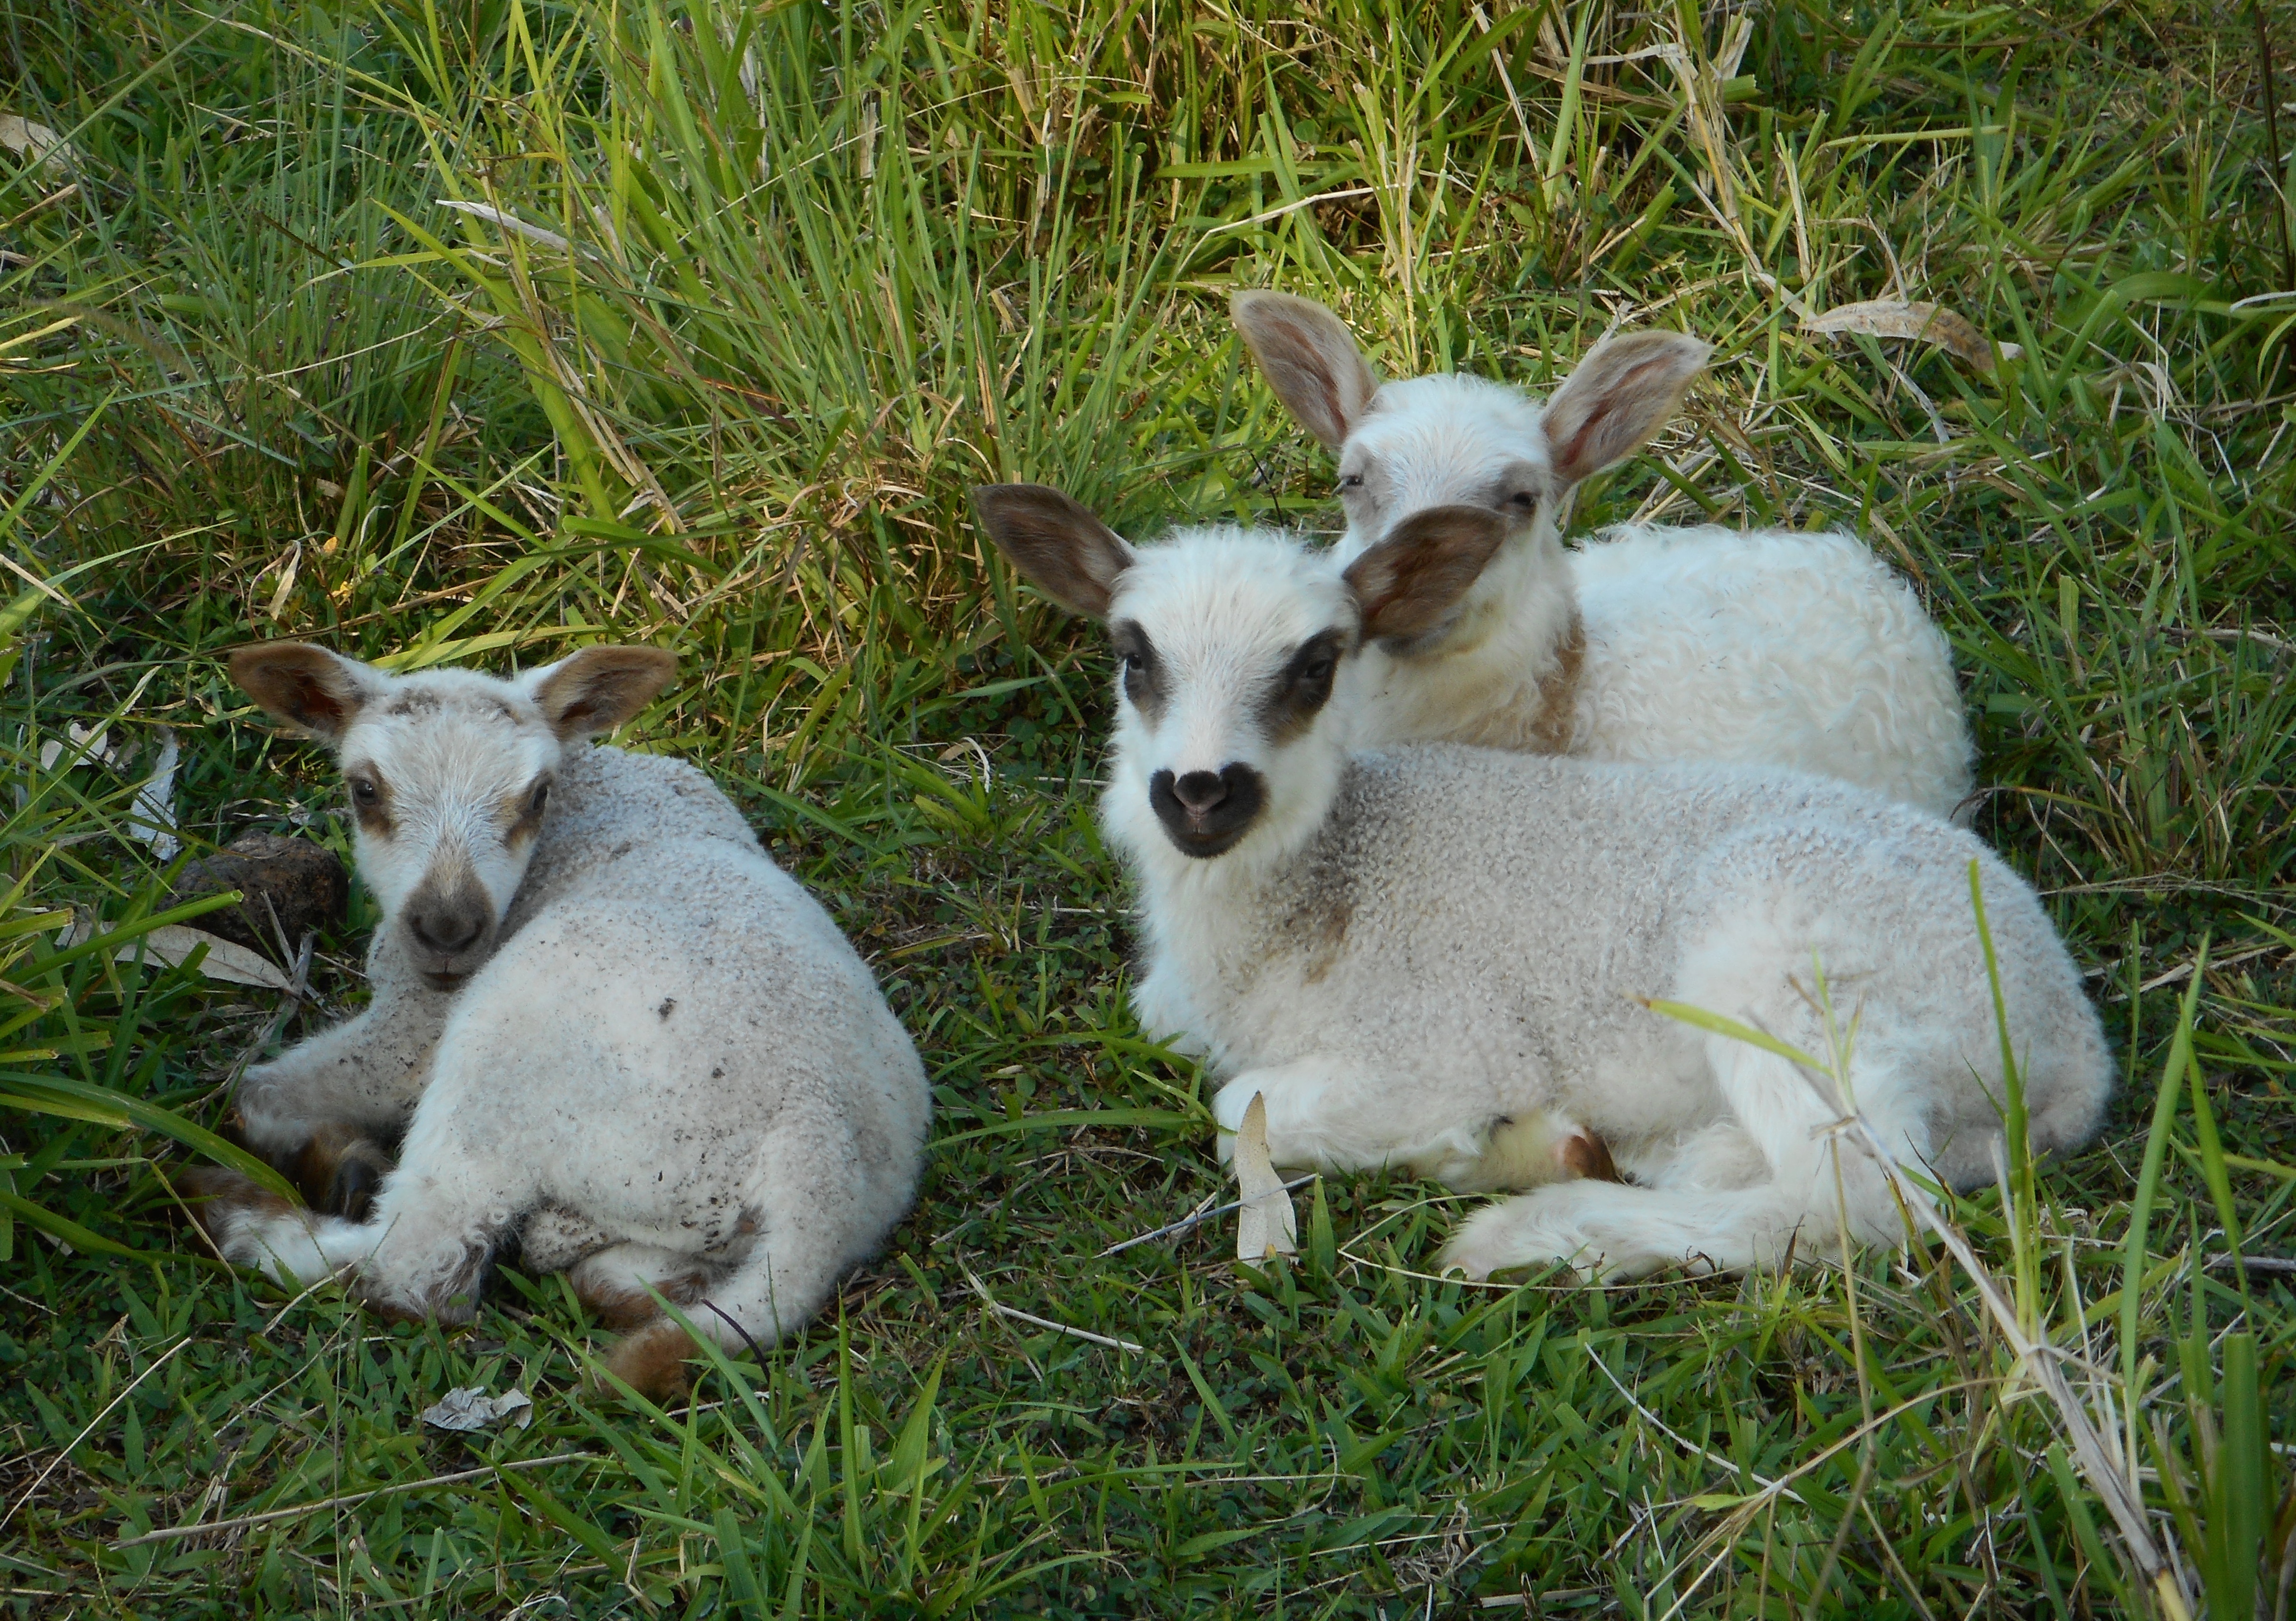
(1316, 674)
(1351, 481)
(364, 791)
(1523, 501)
(1133, 663)
(538, 799)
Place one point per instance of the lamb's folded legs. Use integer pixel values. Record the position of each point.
(323, 1109)
(1327, 1113)
(1798, 1206)
(423, 1250)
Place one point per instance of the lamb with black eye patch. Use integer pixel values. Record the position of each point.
(1301, 689)
(1438, 956)
(610, 1036)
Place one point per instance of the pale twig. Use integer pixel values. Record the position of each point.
(1189, 1223)
(350, 1500)
(998, 1307)
(310, 1288)
(1659, 1424)
(2268, 1265)
(1532, 1601)
(297, 992)
(1292, 207)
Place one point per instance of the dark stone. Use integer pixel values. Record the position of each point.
(305, 884)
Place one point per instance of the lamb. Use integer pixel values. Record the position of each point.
(1771, 648)
(617, 1040)
(1431, 955)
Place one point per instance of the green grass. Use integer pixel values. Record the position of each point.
(791, 278)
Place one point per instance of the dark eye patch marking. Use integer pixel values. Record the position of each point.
(1145, 681)
(1518, 490)
(520, 813)
(1302, 687)
(370, 800)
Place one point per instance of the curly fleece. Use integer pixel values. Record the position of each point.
(1417, 950)
(673, 1069)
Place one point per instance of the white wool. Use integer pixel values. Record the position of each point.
(671, 1063)
(1430, 957)
(1770, 647)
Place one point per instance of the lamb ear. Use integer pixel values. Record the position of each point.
(1616, 398)
(308, 687)
(1411, 582)
(597, 689)
(1056, 542)
(1310, 359)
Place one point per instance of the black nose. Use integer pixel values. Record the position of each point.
(1200, 791)
(1205, 812)
(447, 924)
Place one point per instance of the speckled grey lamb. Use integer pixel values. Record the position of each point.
(612, 1030)
(1432, 955)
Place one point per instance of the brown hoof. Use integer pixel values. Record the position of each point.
(1587, 1156)
(339, 1169)
(652, 1362)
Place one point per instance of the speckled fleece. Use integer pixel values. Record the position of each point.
(1421, 950)
(672, 1061)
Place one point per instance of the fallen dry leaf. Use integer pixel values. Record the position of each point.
(1265, 1225)
(172, 944)
(153, 818)
(471, 1409)
(508, 222)
(1929, 322)
(34, 143)
(88, 743)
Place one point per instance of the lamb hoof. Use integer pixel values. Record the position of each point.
(341, 1169)
(215, 1190)
(351, 1194)
(383, 1309)
(652, 1363)
(625, 1307)
(211, 1184)
(222, 1201)
(1586, 1155)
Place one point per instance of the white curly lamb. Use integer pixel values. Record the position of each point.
(620, 1042)
(1432, 955)
(1771, 647)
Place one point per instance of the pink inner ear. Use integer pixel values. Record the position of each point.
(1576, 460)
(605, 696)
(1625, 412)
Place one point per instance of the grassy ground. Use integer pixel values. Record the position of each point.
(739, 302)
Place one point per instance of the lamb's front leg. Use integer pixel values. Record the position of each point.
(363, 1076)
(1330, 1112)
(424, 1251)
